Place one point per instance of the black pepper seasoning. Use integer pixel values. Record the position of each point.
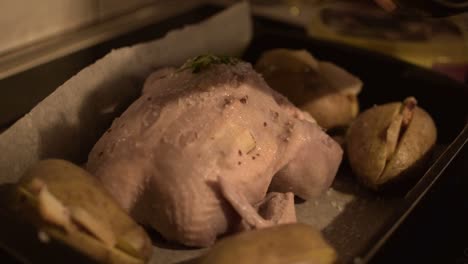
(244, 99)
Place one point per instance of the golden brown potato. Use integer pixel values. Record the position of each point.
(389, 143)
(327, 92)
(69, 205)
(283, 244)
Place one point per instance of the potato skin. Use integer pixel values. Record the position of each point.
(416, 143)
(365, 143)
(283, 244)
(366, 146)
(332, 110)
(74, 187)
(311, 85)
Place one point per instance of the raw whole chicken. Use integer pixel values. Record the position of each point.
(209, 148)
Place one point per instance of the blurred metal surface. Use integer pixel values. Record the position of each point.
(24, 58)
(30, 74)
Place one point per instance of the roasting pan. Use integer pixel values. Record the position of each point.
(363, 226)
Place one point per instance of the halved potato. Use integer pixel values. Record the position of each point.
(69, 206)
(326, 91)
(390, 142)
(283, 244)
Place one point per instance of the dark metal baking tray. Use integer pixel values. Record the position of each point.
(357, 233)
(364, 225)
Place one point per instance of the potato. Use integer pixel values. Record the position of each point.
(283, 244)
(68, 205)
(390, 143)
(327, 92)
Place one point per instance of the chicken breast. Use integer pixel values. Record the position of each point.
(195, 155)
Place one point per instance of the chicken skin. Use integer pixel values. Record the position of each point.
(195, 156)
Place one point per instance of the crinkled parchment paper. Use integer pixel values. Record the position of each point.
(68, 122)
